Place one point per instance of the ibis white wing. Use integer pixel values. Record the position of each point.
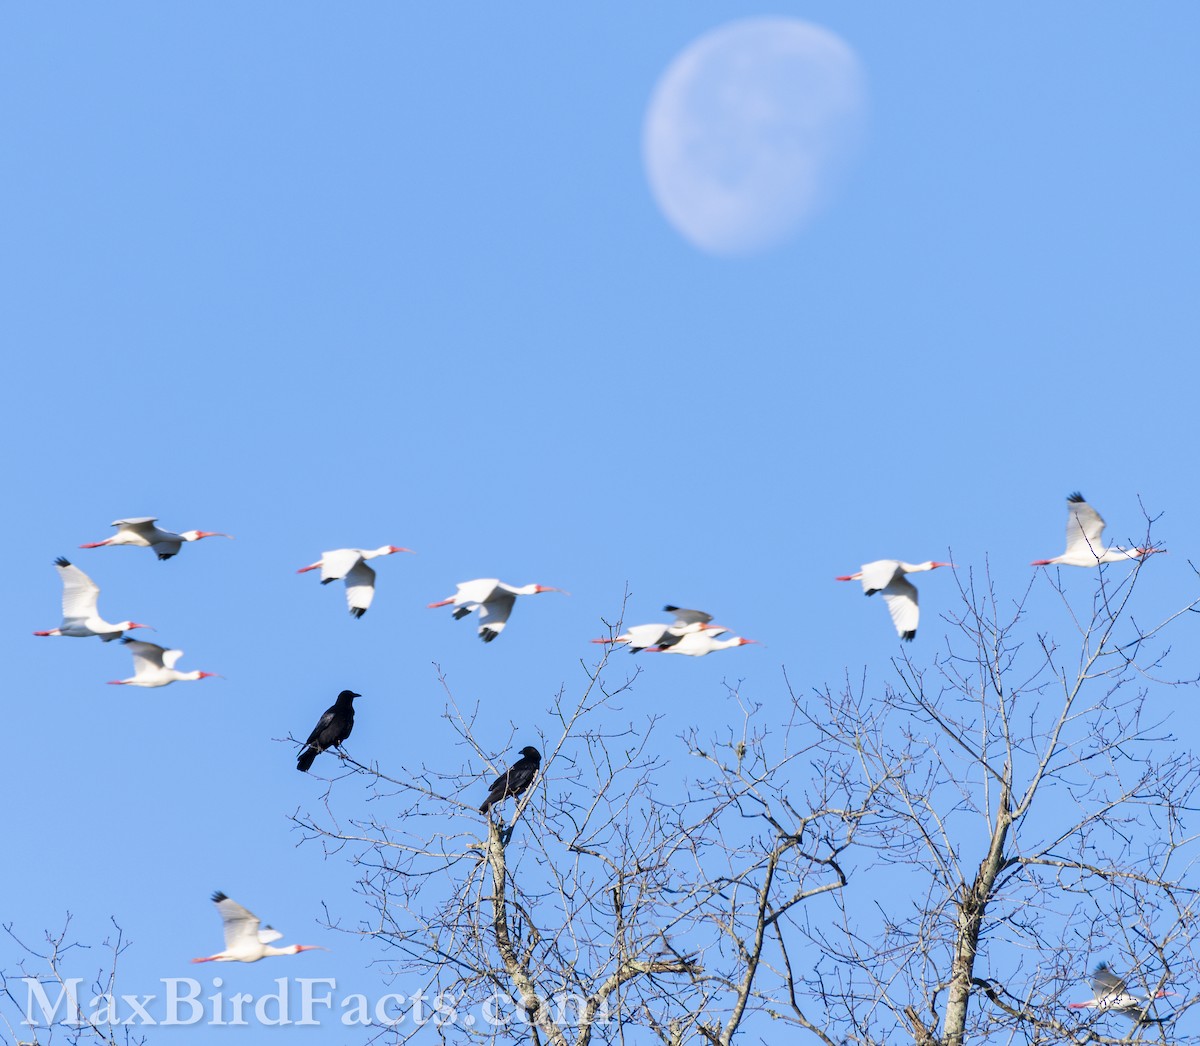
(240, 925)
(1112, 993)
(360, 588)
(80, 592)
(1084, 528)
(493, 613)
(337, 564)
(1106, 983)
(149, 658)
(685, 618)
(478, 591)
(143, 525)
(901, 597)
(268, 934)
(641, 636)
(878, 575)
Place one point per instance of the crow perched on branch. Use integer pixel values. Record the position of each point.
(331, 730)
(515, 780)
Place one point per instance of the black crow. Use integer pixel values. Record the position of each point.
(515, 780)
(331, 730)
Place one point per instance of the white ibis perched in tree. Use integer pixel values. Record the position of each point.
(493, 599)
(1084, 548)
(642, 637)
(350, 563)
(1111, 994)
(887, 576)
(697, 644)
(80, 616)
(142, 533)
(244, 941)
(154, 665)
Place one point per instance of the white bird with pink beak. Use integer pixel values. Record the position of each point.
(493, 599)
(141, 532)
(900, 594)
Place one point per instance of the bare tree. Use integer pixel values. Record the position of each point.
(1037, 809)
(606, 903)
(940, 860)
(40, 1004)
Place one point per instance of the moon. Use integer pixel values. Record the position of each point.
(748, 130)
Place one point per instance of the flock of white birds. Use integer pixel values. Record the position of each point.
(692, 633)
(1085, 527)
(492, 600)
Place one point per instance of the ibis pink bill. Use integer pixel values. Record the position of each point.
(900, 594)
(244, 941)
(493, 599)
(350, 563)
(81, 619)
(141, 532)
(154, 665)
(1084, 546)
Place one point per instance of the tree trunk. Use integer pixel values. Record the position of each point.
(971, 908)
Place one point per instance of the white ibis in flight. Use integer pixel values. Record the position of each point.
(642, 637)
(697, 644)
(493, 599)
(142, 533)
(80, 616)
(351, 564)
(887, 576)
(244, 941)
(1111, 994)
(1084, 548)
(154, 665)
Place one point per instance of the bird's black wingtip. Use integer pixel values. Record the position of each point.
(62, 561)
(165, 555)
(908, 637)
(327, 580)
(870, 591)
(670, 609)
(461, 612)
(487, 634)
(358, 612)
(1075, 498)
(218, 897)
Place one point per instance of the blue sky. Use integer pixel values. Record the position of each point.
(325, 278)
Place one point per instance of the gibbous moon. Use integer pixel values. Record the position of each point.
(748, 129)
